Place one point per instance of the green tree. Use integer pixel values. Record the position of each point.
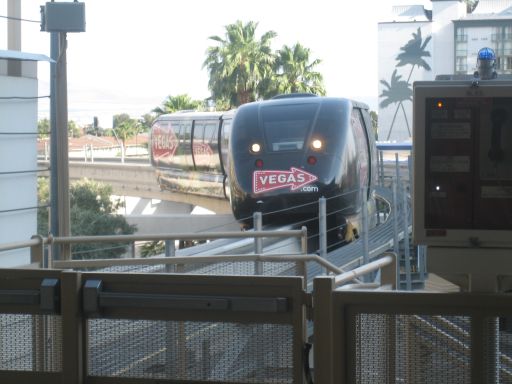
(125, 128)
(471, 5)
(146, 121)
(375, 124)
(92, 212)
(295, 71)
(239, 62)
(177, 103)
(396, 92)
(43, 128)
(73, 129)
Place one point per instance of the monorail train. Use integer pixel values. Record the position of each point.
(283, 153)
(287, 152)
(189, 152)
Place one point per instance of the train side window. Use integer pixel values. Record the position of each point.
(224, 142)
(204, 146)
(361, 139)
(182, 157)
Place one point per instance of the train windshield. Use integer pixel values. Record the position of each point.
(286, 126)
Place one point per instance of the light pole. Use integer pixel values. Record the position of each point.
(58, 19)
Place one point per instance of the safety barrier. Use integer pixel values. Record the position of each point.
(73, 327)
(403, 337)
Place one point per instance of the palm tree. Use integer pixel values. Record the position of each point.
(176, 103)
(124, 128)
(397, 91)
(295, 72)
(239, 63)
(413, 53)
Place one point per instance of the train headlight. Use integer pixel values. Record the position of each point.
(255, 148)
(317, 144)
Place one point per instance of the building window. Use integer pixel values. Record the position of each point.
(461, 64)
(461, 35)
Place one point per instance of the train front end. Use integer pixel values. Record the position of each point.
(287, 153)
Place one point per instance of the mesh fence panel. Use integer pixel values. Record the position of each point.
(186, 351)
(30, 343)
(412, 349)
(238, 268)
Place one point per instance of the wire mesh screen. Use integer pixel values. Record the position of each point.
(498, 349)
(412, 349)
(187, 351)
(236, 268)
(30, 343)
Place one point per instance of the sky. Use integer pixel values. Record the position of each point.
(135, 54)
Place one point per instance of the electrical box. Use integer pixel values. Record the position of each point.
(462, 152)
(63, 17)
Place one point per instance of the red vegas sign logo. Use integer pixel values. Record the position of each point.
(263, 181)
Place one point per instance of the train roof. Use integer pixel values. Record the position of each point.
(195, 115)
(305, 98)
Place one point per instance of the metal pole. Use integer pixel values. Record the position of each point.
(62, 144)
(54, 175)
(397, 170)
(322, 227)
(395, 233)
(258, 242)
(366, 246)
(170, 251)
(407, 253)
(381, 167)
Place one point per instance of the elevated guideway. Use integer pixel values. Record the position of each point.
(138, 180)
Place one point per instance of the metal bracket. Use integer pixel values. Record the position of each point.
(95, 299)
(47, 297)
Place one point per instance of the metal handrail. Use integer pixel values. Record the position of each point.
(101, 263)
(373, 266)
(21, 244)
(175, 236)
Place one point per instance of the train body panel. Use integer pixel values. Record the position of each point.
(287, 153)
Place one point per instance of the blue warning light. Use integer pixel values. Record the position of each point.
(486, 54)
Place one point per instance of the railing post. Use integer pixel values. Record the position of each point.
(301, 265)
(395, 232)
(37, 252)
(323, 331)
(322, 228)
(170, 251)
(258, 242)
(397, 169)
(388, 274)
(381, 168)
(407, 253)
(366, 246)
(72, 328)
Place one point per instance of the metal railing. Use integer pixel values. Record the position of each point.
(72, 327)
(403, 337)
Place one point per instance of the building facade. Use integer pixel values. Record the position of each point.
(18, 154)
(418, 44)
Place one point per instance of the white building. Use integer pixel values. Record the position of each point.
(18, 152)
(417, 44)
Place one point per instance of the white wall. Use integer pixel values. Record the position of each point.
(17, 153)
(443, 15)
